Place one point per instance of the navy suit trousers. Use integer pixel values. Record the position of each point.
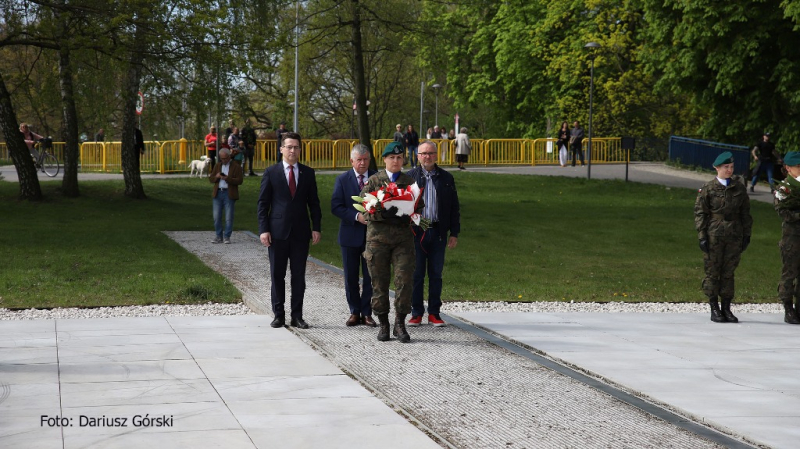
(292, 252)
(358, 299)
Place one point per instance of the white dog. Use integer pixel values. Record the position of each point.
(200, 166)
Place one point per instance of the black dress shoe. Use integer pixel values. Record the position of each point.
(299, 323)
(279, 321)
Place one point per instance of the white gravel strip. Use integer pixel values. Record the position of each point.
(596, 307)
(208, 309)
(214, 309)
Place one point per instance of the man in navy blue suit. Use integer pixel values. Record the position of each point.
(352, 236)
(288, 196)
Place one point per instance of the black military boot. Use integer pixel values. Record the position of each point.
(400, 329)
(383, 332)
(790, 315)
(716, 314)
(726, 311)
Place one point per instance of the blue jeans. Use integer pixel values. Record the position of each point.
(222, 201)
(764, 165)
(412, 155)
(430, 246)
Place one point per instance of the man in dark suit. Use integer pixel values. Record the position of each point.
(352, 236)
(442, 209)
(288, 196)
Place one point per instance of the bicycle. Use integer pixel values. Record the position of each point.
(46, 162)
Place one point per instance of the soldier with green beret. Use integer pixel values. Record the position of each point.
(787, 204)
(723, 222)
(390, 248)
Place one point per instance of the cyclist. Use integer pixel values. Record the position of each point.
(30, 138)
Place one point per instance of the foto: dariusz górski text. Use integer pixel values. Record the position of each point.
(106, 421)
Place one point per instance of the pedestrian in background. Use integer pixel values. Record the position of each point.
(723, 222)
(226, 177)
(279, 135)
(443, 211)
(765, 156)
(100, 136)
(562, 142)
(248, 136)
(211, 145)
(352, 236)
(576, 142)
(789, 211)
(463, 148)
(390, 248)
(412, 142)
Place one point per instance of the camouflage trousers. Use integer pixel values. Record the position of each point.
(720, 263)
(393, 250)
(789, 285)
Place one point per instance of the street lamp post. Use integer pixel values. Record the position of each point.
(591, 46)
(436, 89)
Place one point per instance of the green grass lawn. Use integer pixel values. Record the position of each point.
(524, 238)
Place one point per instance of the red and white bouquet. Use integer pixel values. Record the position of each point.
(788, 194)
(405, 200)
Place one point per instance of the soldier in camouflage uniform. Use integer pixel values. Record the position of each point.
(723, 222)
(390, 244)
(789, 286)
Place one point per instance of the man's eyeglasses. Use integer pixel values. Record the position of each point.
(292, 148)
(426, 154)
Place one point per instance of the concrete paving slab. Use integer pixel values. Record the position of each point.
(123, 353)
(27, 340)
(25, 355)
(300, 365)
(140, 392)
(30, 438)
(127, 371)
(288, 387)
(22, 396)
(210, 439)
(228, 371)
(35, 373)
(732, 376)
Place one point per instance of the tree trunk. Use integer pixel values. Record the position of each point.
(130, 157)
(360, 82)
(29, 188)
(69, 185)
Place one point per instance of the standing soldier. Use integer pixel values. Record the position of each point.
(723, 222)
(390, 244)
(788, 207)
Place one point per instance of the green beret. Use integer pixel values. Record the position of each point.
(393, 148)
(724, 158)
(792, 158)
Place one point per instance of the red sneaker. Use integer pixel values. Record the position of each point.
(436, 321)
(414, 321)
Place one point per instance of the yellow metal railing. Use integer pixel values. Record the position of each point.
(174, 156)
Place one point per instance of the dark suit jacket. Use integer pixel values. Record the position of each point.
(449, 210)
(351, 232)
(279, 213)
(234, 179)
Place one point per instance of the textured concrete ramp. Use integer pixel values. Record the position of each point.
(468, 392)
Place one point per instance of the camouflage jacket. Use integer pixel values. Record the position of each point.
(377, 181)
(790, 217)
(723, 211)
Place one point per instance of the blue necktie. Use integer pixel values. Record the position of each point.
(394, 177)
